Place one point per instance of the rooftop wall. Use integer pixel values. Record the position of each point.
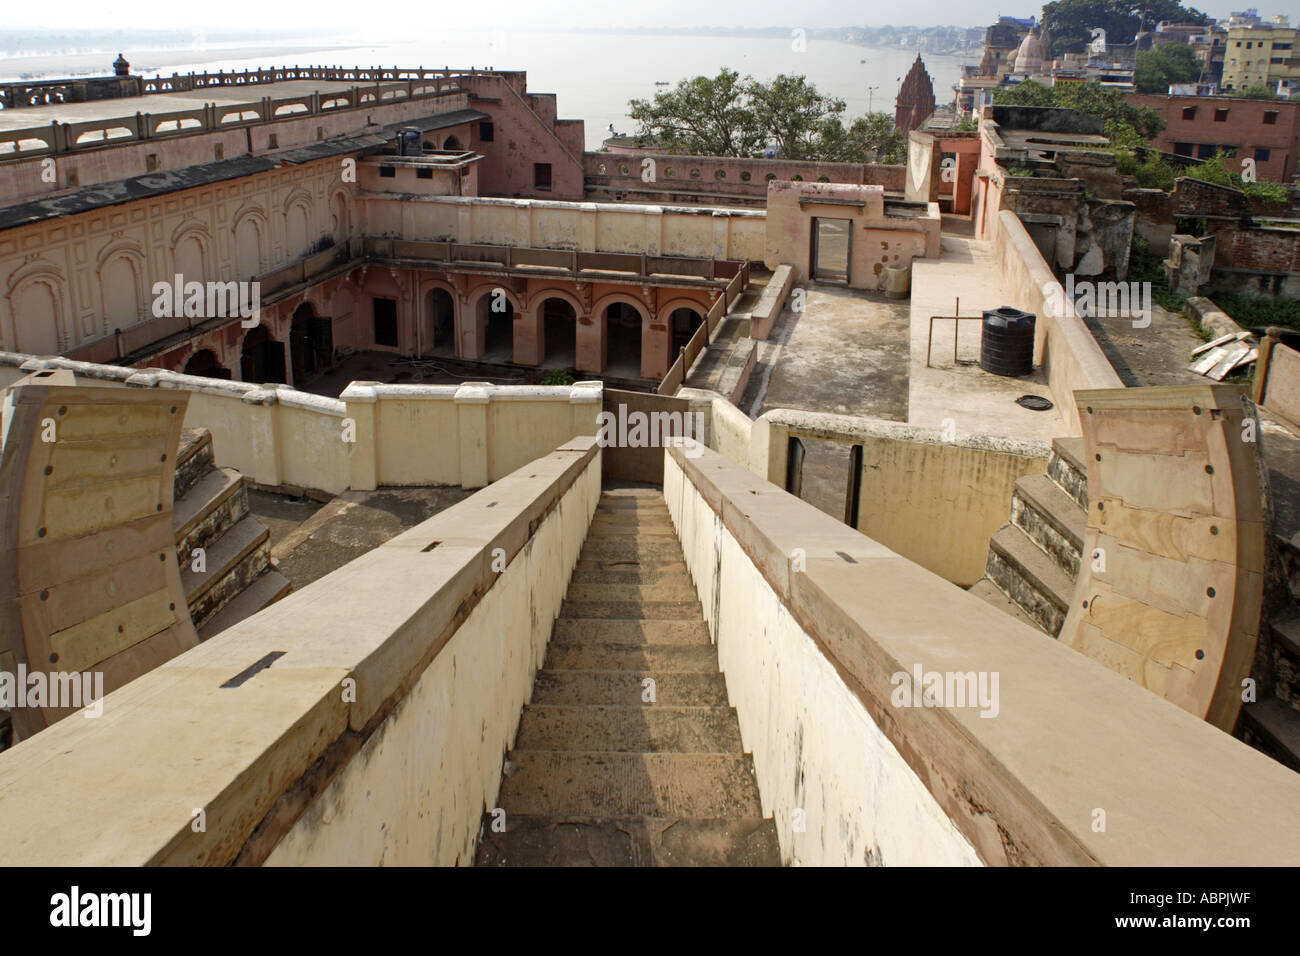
(714, 179)
(586, 227)
(470, 434)
(314, 734)
(1070, 356)
(1074, 764)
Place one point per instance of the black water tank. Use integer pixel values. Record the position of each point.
(1007, 346)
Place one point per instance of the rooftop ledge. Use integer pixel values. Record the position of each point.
(1070, 737)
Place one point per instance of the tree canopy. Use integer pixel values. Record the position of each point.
(1070, 23)
(1123, 123)
(730, 115)
(1168, 63)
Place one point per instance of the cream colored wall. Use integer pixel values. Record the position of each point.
(933, 500)
(586, 227)
(465, 435)
(415, 793)
(369, 437)
(71, 280)
(1063, 345)
(811, 622)
(815, 747)
(248, 749)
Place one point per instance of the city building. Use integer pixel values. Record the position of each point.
(1266, 132)
(1262, 54)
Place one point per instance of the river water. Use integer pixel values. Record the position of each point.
(593, 75)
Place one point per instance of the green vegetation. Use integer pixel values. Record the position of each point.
(1144, 266)
(731, 115)
(1165, 64)
(1070, 23)
(1261, 193)
(1151, 173)
(1122, 123)
(558, 376)
(1254, 93)
(1251, 312)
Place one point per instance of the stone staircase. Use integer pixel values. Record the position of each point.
(628, 753)
(1034, 559)
(210, 511)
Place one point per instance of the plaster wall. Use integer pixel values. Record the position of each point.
(821, 761)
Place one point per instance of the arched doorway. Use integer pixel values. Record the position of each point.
(439, 329)
(559, 333)
(451, 142)
(261, 360)
(622, 340)
(311, 343)
(498, 314)
(683, 323)
(204, 362)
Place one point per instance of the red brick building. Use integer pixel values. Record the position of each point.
(1267, 131)
(915, 103)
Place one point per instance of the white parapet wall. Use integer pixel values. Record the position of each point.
(373, 435)
(1024, 752)
(362, 720)
(692, 231)
(839, 790)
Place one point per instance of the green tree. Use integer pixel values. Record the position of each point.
(1070, 23)
(728, 115)
(705, 116)
(793, 115)
(1168, 63)
(1123, 123)
(868, 139)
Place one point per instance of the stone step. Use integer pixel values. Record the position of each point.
(633, 610)
(1068, 467)
(607, 529)
(629, 688)
(632, 531)
(656, 658)
(634, 494)
(681, 590)
(193, 460)
(572, 840)
(640, 565)
(630, 632)
(265, 591)
(232, 562)
(986, 589)
(626, 517)
(1052, 520)
(1285, 626)
(637, 729)
(631, 549)
(632, 575)
(216, 502)
(1029, 577)
(545, 782)
(1273, 726)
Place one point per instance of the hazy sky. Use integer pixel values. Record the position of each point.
(398, 18)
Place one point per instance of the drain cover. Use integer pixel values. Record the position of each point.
(1035, 403)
